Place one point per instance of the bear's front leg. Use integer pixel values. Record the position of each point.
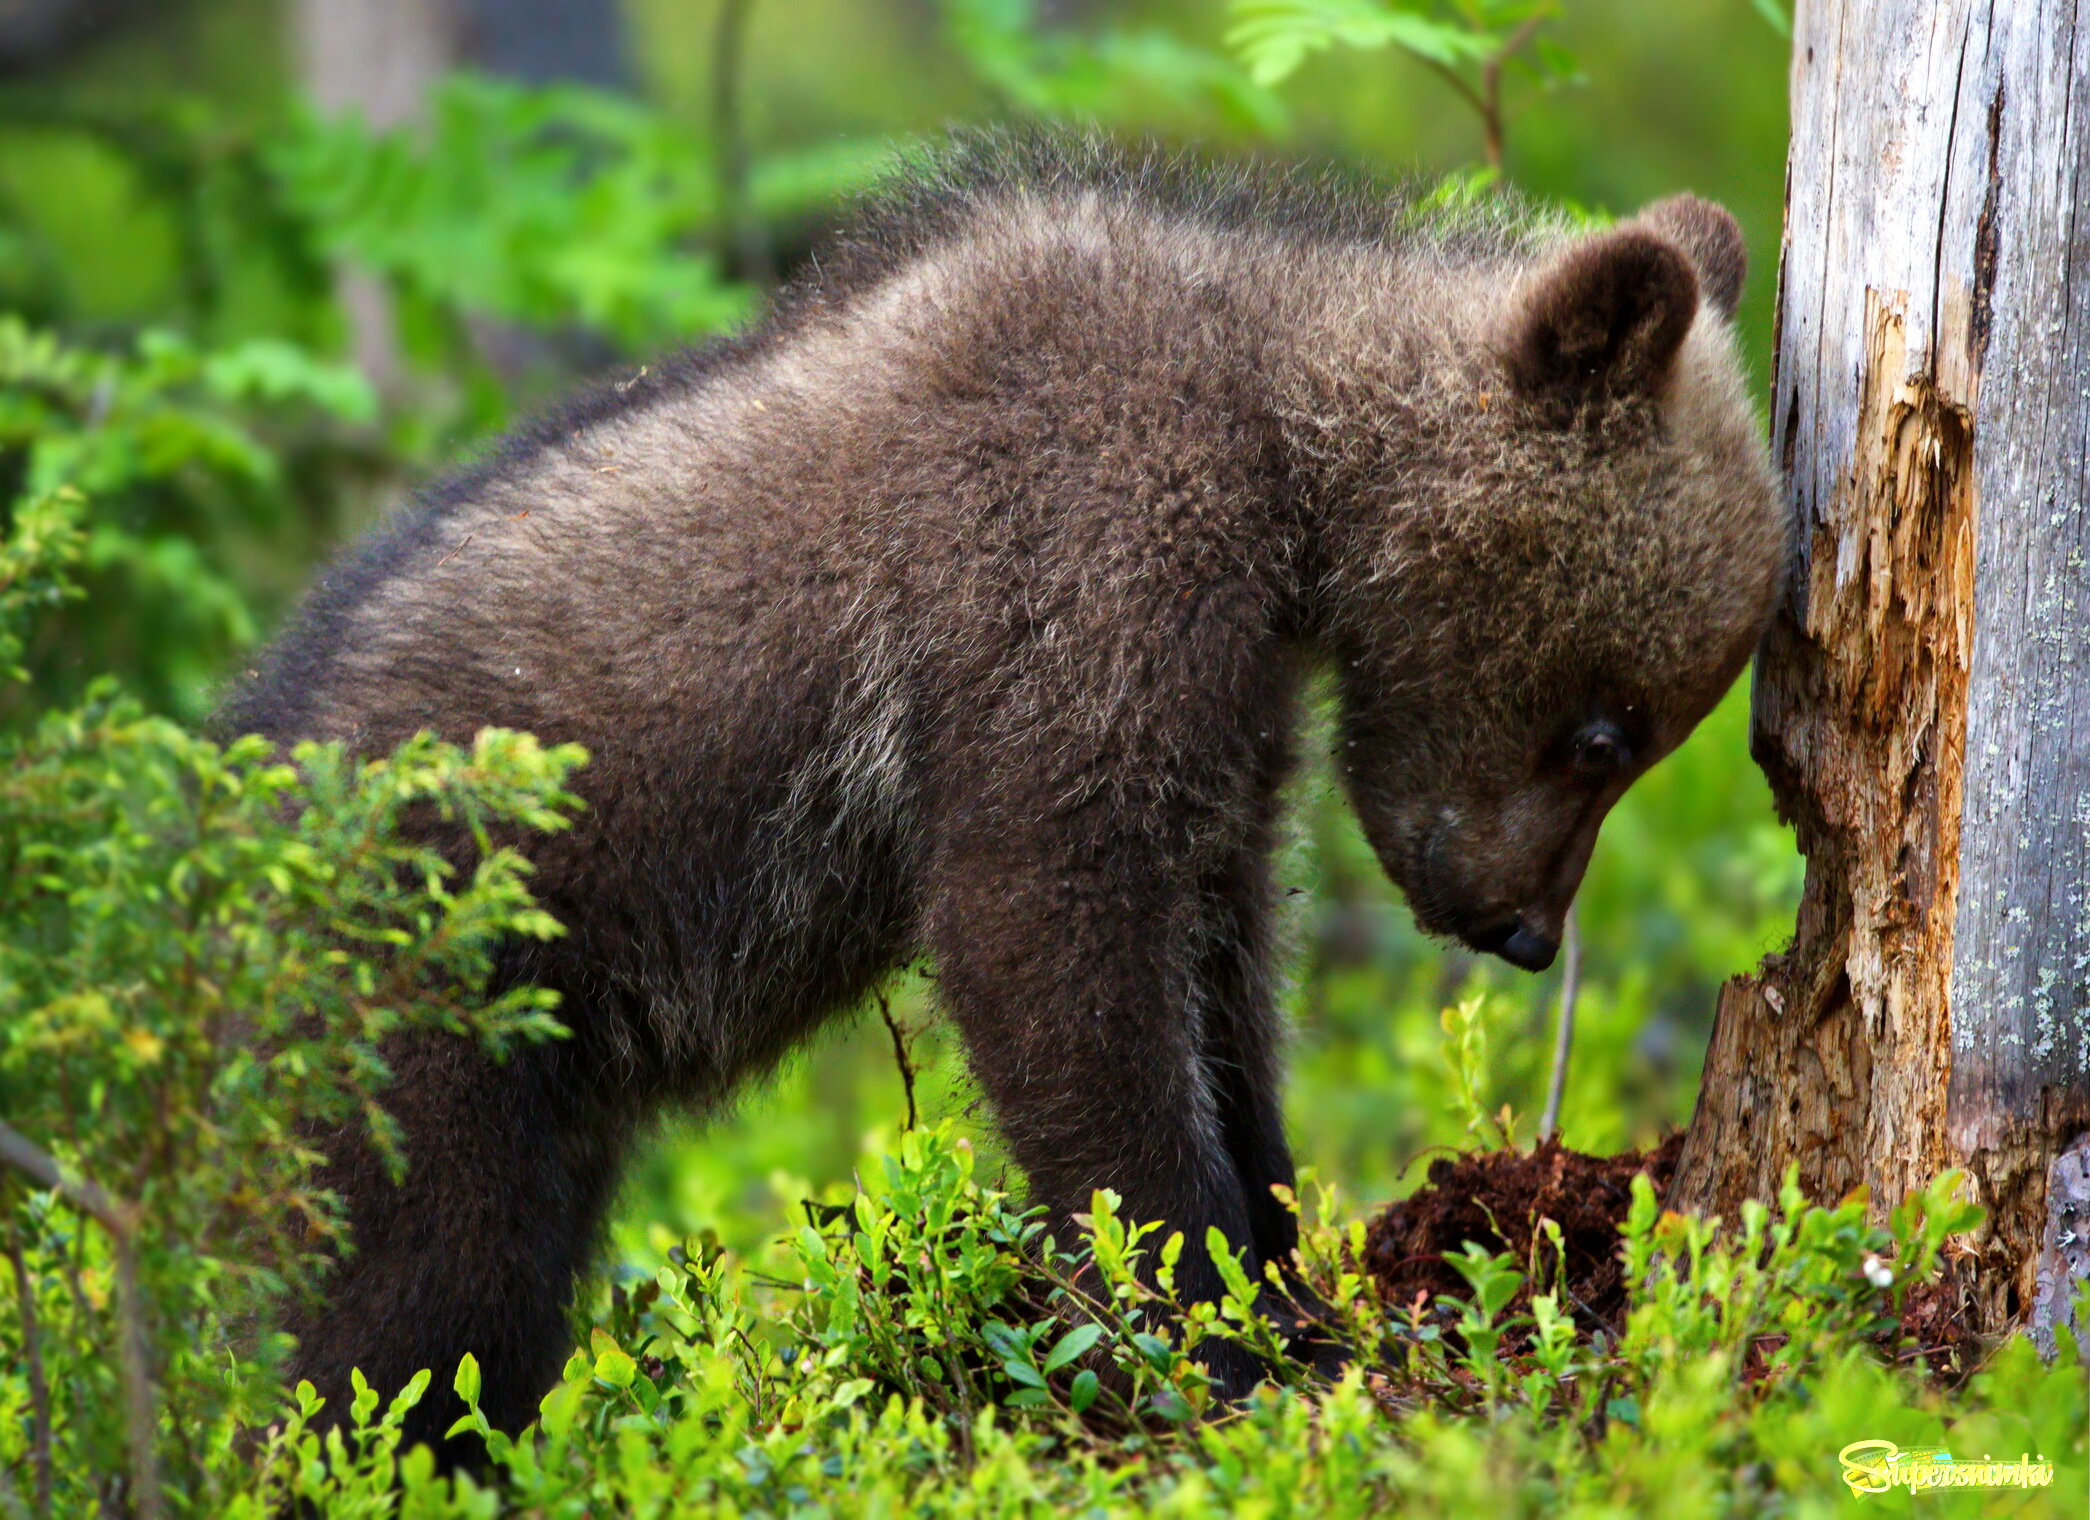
(1067, 954)
(1242, 1034)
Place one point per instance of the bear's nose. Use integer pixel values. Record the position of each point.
(1530, 950)
(1489, 941)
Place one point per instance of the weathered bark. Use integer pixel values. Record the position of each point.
(1922, 705)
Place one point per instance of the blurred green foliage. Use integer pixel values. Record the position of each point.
(174, 445)
(535, 206)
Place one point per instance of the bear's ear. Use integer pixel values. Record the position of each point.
(1712, 238)
(1604, 319)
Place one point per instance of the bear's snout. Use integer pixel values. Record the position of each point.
(1529, 950)
(1516, 942)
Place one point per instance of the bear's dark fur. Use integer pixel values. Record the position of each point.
(961, 609)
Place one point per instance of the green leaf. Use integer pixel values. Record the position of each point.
(1073, 1344)
(466, 1383)
(1435, 42)
(1169, 1404)
(1775, 16)
(1273, 37)
(364, 1399)
(410, 1395)
(1554, 64)
(557, 1409)
(616, 1368)
(1231, 1272)
(1023, 1373)
(1494, 1278)
(1083, 1392)
(1159, 1355)
(851, 1391)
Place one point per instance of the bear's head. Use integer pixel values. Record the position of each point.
(1562, 553)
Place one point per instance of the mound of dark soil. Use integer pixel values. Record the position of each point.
(1497, 1198)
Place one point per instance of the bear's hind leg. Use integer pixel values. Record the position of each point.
(476, 1249)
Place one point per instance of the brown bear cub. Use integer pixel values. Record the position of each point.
(961, 609)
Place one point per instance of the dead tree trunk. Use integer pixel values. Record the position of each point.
(1922, 705)
(376, 59)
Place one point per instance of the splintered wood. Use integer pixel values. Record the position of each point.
(1922, 705)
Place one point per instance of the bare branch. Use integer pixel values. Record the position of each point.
(892, 1026)
(1490, 103)
(25, 1156)
(1451, 76)
(121, 1220)
(39, 1389)
(134, 1356)
(1563, 1038)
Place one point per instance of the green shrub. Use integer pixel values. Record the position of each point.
(912, 1352)
(203, 951)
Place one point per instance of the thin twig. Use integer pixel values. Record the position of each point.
(746, 246)
(754, 1360)
(26, 1156)
(69, 1269)
(121, 1220)
(892, 1025)
(1491, 85)
(1452, 77)
(39, 1390)
(1570, 976)
(134, 1357)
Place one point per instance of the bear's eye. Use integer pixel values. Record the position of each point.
(1601, 752)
